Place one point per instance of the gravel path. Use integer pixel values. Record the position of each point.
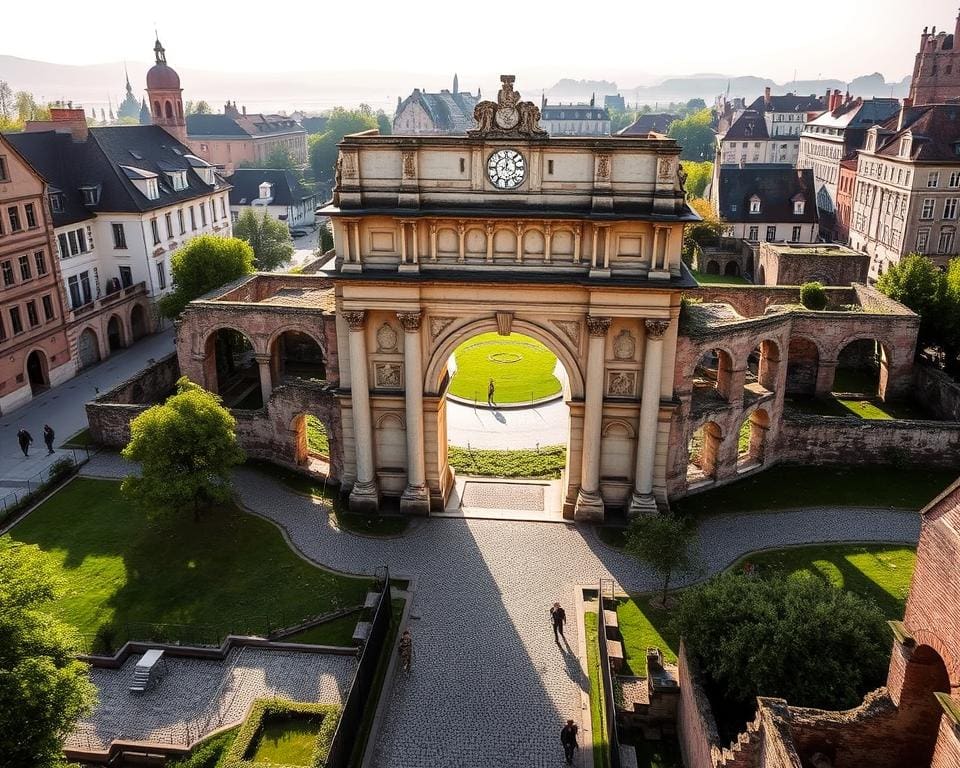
(489, 686)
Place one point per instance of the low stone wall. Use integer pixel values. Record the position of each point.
(753, 300)
(818, 440)
(938, 392)
(696, 726)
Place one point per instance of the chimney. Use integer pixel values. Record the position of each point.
(826, 99)
(835, 100)
(244, 110)
(766, 96)
(902, 118)
(72, 120)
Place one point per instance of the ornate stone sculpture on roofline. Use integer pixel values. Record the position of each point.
(507, 117)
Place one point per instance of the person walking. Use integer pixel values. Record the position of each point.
(48, 437)
(406, 650)
(568, 737)
(491, 390)
(559, 618)
(24, 438)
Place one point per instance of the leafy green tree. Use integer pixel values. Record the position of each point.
(918, 283)
(698, 176)
(695, 105)
(813, 296)
(704, 232)
(384, 123)
(44, 690)
(198, 108)
(204, 263)
(797, 637)
(186, 448)
(621, 119)
(949, 326)
(695, 135)
(325, 239)
(269, 238)
(663, 543)
(323, 146)
(28, 108)
(6, 100)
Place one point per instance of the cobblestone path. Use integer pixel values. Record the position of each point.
(489, 687)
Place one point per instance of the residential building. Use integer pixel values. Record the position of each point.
(907, 193)
(574, 119)
(233, 138)
(845, 186)
(652, 122)
(277, 192)
(446, 112)
(936, 69)
(614, 101)
(122, 200)
(34, 350)
(829, 138)
(772, 203)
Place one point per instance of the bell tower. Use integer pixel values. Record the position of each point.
(165, 96)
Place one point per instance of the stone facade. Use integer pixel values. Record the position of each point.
(936, 69)
(826, 263)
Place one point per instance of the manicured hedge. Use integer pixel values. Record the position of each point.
(262, 708)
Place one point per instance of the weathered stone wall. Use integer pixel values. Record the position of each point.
(696, 726)
(753, 300)
(939, 393)
(838, 269)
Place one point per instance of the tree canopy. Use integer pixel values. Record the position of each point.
(701, 232)
(323, 146)
(198, 108)
(204, 263)
(269, 238)
(186, 448)
(698, 176)
(694, 133)
(44, 690)
(661, 542)
(795, 637)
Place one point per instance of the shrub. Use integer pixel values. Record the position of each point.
(236, 757)
(207, 754)
(61, 469)
(812, 296)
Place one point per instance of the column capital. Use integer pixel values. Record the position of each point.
(355, 318)
(598, 326)
(262, 357)
(656, 328)
(410, 320)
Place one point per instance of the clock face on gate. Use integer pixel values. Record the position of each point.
(506, 169)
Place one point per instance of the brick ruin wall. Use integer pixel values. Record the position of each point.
(938, 392)
(696, 726)
(798, 268)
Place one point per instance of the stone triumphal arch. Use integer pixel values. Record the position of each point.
(572, 241)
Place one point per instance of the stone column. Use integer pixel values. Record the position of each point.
(365, 496)
(266, 380)
(416, 241)
(403, 242)
(606, 247)
(461, 234)
(520, 228)
(433, 241)
(415, 499)
(577, 232)
(491, 230)
(642, 501)
(548, 242)
(593, 251)
(356, 242)
(589, 504)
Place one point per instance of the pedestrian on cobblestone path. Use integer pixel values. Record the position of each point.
(568, 737)
(406, 650)
(491, 391)
(24, 438)
(48, 437)
(559, 618)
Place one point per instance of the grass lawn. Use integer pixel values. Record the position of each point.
(229, 572)
(521, 369)
(786, 487)
(704, 279)
(596, 709)
(286, 741)
(548, 462)
(337, 632)
(81, 439)
(318, 441)
(869, 408)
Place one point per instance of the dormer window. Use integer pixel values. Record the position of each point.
(266, 190)
(798, 207)
(91, 195)
(754, 204)
(153, 189)
(178, 180)
(56, 202)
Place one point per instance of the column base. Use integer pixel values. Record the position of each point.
(642, 504)
(415, 501)
(589, 508)
(351, 266)
(365, 498)
(408, 268)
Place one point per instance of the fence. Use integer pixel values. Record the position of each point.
(19, 497)
(361, 689)
(608, 700)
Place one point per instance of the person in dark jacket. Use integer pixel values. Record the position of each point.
(24, 438)
(48, 437)
(568, 737)
(559, 617)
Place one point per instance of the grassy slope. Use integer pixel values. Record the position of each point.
(530, 378)
(232, 570)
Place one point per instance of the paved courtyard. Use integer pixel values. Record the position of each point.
(489, 686)
(197, 696)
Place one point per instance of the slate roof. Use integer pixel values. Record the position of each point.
(448, 111)
(788, 103)
(654, 122)
(935, 129)
(287, 189)
(255, 124)
(776, 185)
(103, 160)
(858, 114)
(750, 125)
(573, 112)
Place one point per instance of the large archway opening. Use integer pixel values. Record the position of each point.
(861, 368)
(925, 676)
(763, 366)
(236, 372)
(88, 349)
(803, 367)
(138, 322)
(752, 440)
(703, 449)
(115, 334)
(711, 379)
(312, 443)
(295, 355)
(37, 372)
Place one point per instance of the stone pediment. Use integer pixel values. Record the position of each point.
(507, 117)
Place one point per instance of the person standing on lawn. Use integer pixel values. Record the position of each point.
(48, 437)
(24, 438)
(491, 390)
(559, 617)
(568, 737)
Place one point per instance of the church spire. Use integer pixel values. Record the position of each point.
(456, 83)
(127, 74)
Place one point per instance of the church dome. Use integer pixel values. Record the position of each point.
(162, 76)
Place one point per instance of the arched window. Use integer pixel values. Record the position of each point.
(156, 109)
(168, 110)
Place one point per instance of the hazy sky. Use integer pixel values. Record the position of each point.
(629, 41)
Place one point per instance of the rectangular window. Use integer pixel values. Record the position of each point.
(25, 271)
(161, 275)
(47, 307)
(119, 236)
(3, 169)
(72, 237)
(955, 179)
(223, 209)
(13, 214)
(82, 241)
(40, 260)
(193, 219)
(203, 214)
(933, 179)
(946, 241)
(168, 218)
(922, 237)
(754, 234)
(3, 328)
(926, 212)
(950, 207)
(31, 215)
(16, 321)
(795, 235)
(126, 277)
(155, 228)
(32, 317)
(64, 247)
(85, 287)
(771, 233)
(73, 287)
(7, 269)
(183, 229)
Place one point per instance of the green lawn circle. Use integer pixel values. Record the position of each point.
(520, 366)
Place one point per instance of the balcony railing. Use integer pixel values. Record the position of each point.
(109, 300)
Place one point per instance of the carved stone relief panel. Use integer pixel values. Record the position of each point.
(570, 329)
(624, 345)
(388, 376)
(622, 383)
(387, 338)
(438, 324)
